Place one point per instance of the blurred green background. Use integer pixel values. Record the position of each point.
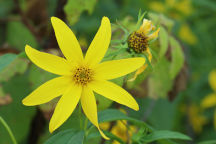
(191, 22)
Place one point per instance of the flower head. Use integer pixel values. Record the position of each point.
(80, 76)
(139, 42)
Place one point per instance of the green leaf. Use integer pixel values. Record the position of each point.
(160, 82)
(17, 66)
(6, 59)
(163, 39)
(177, 57)
(208, 142)
(164, 134)
(113, 115)
(107, 133)
(18, 116)
(74, 9)
(38, 76)
(113, 137)
(102, 102)
(140, 19)
(18, 36)
(67, 137)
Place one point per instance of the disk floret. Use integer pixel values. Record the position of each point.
(138, 42)
(82, 75)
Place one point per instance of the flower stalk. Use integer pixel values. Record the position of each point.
(8, 130)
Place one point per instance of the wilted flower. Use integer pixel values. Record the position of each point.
(138, 41)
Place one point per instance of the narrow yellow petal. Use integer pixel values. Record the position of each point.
(48, 91)
(90, 108)
(67, 41)
(65, 106)
(212, 79)
(209, 101)
(48, 62)
(140, 70)
(154, 35)
(146, 26)
(115, 93)
(100, 43)
(117, 68)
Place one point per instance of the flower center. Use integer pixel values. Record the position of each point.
(82, 76)
(138, 42)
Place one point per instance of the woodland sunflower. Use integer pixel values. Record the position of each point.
(79, 76)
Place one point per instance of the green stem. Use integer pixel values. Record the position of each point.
(8, 130)
(80, 116)
(85, 123)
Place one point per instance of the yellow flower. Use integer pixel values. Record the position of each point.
(210, 99)
(139, 39)
(187, 35)
(196, 119)
(80, 76)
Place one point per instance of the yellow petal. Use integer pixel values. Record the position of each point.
(212, 79)
(67, 41)
(47, 91)
(154, 35)
(65, 106)
(140, 70)
(100, 43)
(146, 26)
(117, 68)
(121, 130)
(209, 101)
(90, 108)
(48, 62)
(115, 93)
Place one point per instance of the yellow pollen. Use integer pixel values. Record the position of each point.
(82, 76)
(138, 42)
